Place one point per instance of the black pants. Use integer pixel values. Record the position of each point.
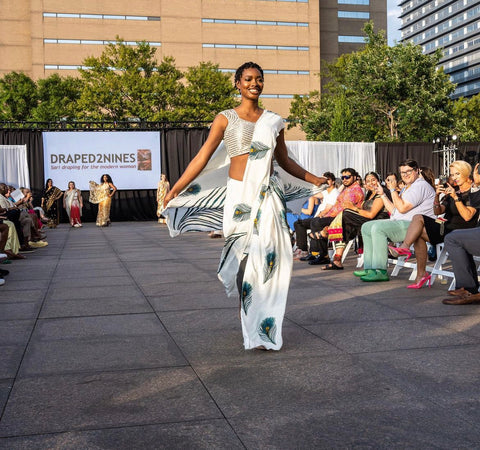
(315, 224)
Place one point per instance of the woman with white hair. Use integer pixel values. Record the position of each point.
(458, 214)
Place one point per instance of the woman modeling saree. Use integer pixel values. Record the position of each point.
(102, 194)
(72, 202)
(49, 203)
(256, 261)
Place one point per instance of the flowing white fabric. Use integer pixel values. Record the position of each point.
(254, 226)
(14, 166)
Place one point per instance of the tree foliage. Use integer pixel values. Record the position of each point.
(18, 96)
(127, 82)
(467, 118)
(207, 92)
(57, 98)
(389, 93)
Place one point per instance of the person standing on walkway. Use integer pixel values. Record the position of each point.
(102, 194)
(73, 204)
(50, 197)
(256, 262)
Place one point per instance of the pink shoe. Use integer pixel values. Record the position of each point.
(421, 282)
(400, 251)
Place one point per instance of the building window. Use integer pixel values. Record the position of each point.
(293, 1)
(352, 39)
(98, 16)
(92, 42)
(258, 47)
(353, 2)
(275, 72)
(353, 15)
(256, 22)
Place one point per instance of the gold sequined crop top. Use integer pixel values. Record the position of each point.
(238, 134)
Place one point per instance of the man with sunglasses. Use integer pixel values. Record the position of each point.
(352, 192)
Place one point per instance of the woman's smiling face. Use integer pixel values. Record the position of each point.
(250, 84)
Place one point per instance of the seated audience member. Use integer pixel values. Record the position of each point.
(415, 198)
(3, 255)
(458, 211)
(328, 198)
(346, 226)
(351, 194)
(462, 246)
(30, 218)
(13, 214)
(308, 211)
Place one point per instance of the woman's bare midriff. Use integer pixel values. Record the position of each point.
(237, 167)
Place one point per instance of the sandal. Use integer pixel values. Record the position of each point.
(332, 266)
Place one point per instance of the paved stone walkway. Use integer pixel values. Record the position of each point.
(122, 338)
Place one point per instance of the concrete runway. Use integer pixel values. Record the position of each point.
(123, 338)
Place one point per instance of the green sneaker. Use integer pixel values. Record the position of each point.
(362, 273)
(379, 275)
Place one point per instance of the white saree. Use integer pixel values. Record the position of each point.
(253, 216)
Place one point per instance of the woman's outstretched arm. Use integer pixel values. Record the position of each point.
(198, 163)
(290, 166)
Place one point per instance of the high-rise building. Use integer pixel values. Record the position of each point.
(454, 27)
(288, 38)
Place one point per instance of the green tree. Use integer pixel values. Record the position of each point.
(18, 96)
(393, 93)
(127, 82)
(467, 118)
(342, 121)
(207, 92)
(57, 98)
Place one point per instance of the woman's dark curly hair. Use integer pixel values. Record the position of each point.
(244, 66)
(109, 178)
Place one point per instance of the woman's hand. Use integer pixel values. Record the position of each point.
(319, 181)
(349, 205)
(379, 189)
(391, 183)
(168, 197)
(449, 190)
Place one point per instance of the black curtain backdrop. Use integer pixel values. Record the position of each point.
(178, 147)
(388, 156)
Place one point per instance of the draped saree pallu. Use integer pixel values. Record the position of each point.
(256, 261)
(72, 206)
(100, 193)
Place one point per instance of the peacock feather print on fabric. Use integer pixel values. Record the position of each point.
(256, 221)
(294, 192)
(263, 192)
(246, 296)
(268, 330)
(227, 247)
(283, 219)
(270, 265)
(199, 219)
(242, 212)
(193, 189)
(258, 150)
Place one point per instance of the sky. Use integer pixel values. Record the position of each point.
(393, 22)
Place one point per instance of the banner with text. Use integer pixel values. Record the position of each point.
(131, 158)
